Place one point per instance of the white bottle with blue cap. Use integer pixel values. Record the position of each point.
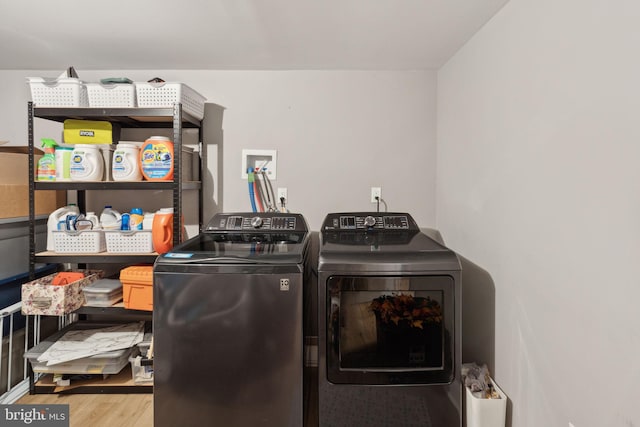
(57, 217)
(110, 219)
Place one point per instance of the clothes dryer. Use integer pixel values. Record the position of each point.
(389, 324)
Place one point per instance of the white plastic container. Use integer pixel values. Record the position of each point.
(486, 412)
(147, 222)
(95, 222)
(58, 92)
(103, 293)
(79, 242)
(55, 218)
(110, 219)
(87, 163)
(126, 162)
(141, 370)
(132, 241)
(63, 163)
(115, 95)
(166, 94)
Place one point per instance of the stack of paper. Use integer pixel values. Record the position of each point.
(89, 342)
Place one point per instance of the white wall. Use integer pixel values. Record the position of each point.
(337, 133)
(538, 183)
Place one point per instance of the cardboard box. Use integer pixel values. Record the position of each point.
(14, 185)
(40, 296)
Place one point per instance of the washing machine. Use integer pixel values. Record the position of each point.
(227, 324)
(389, 324)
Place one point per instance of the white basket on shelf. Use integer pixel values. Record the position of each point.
(58, 92)
(163, 95)
(117, 95)
(134, 241)
(79, 242)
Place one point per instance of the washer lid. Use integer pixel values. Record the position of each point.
(241, 248)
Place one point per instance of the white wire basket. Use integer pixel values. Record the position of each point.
(58, 92)
(79, 242)
(115, 95)
(134, 241)
(164, 95)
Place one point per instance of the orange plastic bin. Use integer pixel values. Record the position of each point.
(137, 287)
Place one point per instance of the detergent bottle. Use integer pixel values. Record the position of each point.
(156, 159)
(162, 230)
(126, 163)
(47, 164)
(56, 218)
(87, 163)
(110, 219)
(95, 222)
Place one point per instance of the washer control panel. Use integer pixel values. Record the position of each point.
(263, 221)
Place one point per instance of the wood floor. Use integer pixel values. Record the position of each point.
(126, 410)
(101, 410)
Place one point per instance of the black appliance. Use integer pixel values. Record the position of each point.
(227, 321)
(389, 324)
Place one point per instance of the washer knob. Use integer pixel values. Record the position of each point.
(256, 222)
(369, 221)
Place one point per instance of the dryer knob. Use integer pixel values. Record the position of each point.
(256, 222)
(369, 221)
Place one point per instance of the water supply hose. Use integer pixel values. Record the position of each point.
(258, 195)
(251, 180)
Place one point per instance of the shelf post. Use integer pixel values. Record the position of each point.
(177, 173)
(32, 204)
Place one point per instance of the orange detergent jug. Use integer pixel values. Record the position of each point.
(162, 230)
(156, 159)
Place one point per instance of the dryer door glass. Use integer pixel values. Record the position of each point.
(385, 330)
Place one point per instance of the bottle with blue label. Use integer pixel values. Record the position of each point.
(126, 164)
(87, 163)
(156, 159)
(136, 217)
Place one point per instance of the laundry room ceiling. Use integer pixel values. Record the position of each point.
(237, 34)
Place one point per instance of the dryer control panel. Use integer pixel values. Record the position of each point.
(359, 221)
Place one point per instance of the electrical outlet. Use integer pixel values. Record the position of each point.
(376, 192)
(282, 194)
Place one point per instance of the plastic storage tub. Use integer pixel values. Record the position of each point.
(137, 283)
(133, 241)
(58, 92)
(141, 370)
(165, 95)
(117, 95)
(104, 363)
(79, 242)
(103, 293)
